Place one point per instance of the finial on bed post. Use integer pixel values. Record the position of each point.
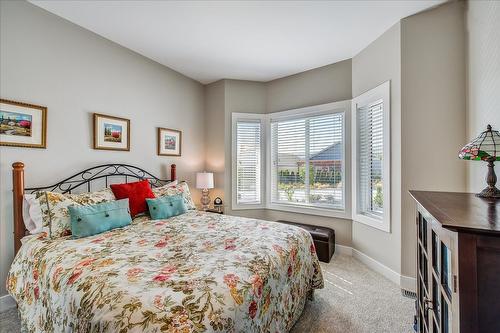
(18, 193)
(173, 169)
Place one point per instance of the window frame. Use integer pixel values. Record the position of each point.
(381, 92)
(311, 111)
(262, 119)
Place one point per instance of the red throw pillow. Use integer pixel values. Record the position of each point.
(136, 192)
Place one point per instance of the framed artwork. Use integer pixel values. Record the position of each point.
(111, 133)
(22, 124)
(169, 142)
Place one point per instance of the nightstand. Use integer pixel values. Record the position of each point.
(214, 211)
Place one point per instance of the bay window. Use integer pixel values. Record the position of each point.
(292, 160)
(311, 160)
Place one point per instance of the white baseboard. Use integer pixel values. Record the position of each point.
(377, 266)
(405, 282)
(408, 283)
(6, 303)
(342, 249)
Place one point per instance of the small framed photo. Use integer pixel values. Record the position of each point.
(111, 133)
(169, 142)
(22, 124)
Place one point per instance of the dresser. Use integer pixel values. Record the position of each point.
(458, 263)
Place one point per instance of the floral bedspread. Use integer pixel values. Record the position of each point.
(198, 272)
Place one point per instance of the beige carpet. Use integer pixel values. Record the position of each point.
(355, 300)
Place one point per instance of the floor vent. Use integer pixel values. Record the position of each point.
(409, 294)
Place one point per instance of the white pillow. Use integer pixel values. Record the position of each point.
(32, 214)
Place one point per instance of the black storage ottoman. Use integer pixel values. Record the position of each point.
(323, 237)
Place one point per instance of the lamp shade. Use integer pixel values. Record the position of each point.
(486, 147)
(204, 180)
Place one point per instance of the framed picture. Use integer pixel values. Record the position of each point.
(22, 124)
(111, 133)
(169, 142)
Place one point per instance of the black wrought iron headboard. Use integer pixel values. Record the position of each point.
(105, 171)
(83, 178)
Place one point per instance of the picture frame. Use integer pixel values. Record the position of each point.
(169, 142)
(111, 133)
(22, 124)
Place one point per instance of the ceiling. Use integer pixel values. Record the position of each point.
(247, 40)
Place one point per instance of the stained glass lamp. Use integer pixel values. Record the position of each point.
(486, 147)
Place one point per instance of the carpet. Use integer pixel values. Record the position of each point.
(355, 300)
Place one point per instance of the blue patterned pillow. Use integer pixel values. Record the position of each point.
(92, 220)
(165, 207)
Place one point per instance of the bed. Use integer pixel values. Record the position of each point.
(196, 272)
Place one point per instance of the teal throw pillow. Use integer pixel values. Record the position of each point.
(165, 207)
(94, 219)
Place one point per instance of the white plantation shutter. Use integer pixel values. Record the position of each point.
(307, 161)
(370, 158)
(371, 162)
(248, 162)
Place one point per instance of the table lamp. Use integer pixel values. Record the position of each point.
(204, 181)
(486, 147)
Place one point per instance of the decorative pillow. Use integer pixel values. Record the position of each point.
(94, 219)
(136, 192)
(179, 189)
(32, 214)
(92, 198)
(165, 207)
(54, 208)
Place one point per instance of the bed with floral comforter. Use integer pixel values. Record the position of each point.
(197, 272)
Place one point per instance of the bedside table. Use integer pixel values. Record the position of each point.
(214, 211)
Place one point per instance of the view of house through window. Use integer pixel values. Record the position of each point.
(308, 161)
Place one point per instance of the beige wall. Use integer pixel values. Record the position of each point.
(214, 136)
(433, 111)
(377, 63)
(48, 61)
(483, 79)
(317, 86)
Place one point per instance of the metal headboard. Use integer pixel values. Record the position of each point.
(87, 177)
(82, 179)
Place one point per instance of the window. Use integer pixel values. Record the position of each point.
(371, 162)
(293, 160)
(308, 161)
(248, 165)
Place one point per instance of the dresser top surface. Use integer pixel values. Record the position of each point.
(462, 212)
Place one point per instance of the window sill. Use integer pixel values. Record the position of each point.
(380, 224)
(248, 207)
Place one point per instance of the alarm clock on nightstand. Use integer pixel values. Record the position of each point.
(218, 204)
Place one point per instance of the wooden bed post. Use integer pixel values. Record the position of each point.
(173, 168)
(17, 200)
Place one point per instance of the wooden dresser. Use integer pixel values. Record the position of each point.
(458, 263)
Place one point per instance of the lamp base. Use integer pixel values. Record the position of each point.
(205, 199)
(491, 179)
(489, 192)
